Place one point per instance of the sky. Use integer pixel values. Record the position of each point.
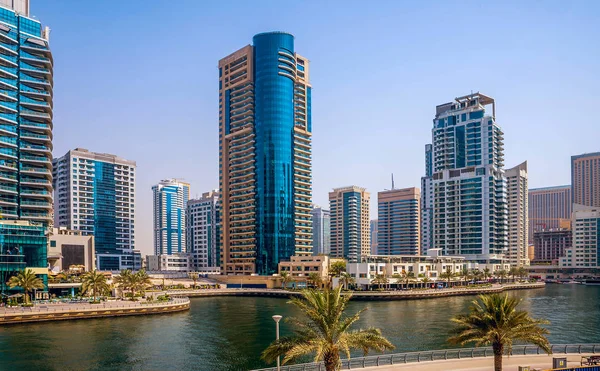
(139, 79)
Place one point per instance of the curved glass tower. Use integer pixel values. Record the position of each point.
(265, 155)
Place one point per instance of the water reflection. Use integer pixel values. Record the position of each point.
(229, 333)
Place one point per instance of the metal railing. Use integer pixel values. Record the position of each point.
(437, 355)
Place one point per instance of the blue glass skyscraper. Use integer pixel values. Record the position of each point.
(264, 155)
(170, 202)
(26, 81)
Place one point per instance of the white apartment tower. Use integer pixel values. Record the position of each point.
(95, 193)
(350, 223)
(518, 215)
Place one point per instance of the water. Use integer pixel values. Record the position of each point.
(228, 333)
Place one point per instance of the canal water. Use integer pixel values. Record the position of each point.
(228, 333)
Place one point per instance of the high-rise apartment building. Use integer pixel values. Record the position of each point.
(374, 236)
(25, 141)
(170, 202)
(469, 187)
(518, 215)
(350, 230)
(585, 179)
(321, 237)
(95, 193)
(202, 218)
(584, 254)
(427, 202)
(264, 155)
(548, 207)
(399, 223)
(550, 245)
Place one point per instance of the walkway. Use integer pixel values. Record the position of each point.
(64, 311)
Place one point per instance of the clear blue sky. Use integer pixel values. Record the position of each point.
(139, 79)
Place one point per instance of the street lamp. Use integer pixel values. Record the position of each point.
(277, 318)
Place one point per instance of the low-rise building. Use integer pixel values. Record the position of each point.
(71, 249)
(550, 245)
(173, 263)
(301, 266)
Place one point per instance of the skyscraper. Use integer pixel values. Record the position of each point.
(518, 214)
(427, 202)
(374, 236)
(264, 155)
(584, 254)
(399, 223)
(321, 231)
(548, 207)
(585, 179)
(469, 187)
(25, 141)
(350, 229)
(170, 202)
(202, 220)
(95, 193)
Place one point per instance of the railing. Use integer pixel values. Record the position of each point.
(437, 355)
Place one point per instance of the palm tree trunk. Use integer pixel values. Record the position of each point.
(498, 350)
(331, 360)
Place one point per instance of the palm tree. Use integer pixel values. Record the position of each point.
(315, 279)
(513, 272)
(285, 278)
(476, 274)
(487, 273)
(194, 276)
(346, 279)
(28, 281)
(95, 282)
(465, 275)
(426, 280)
(447, 275)
(522, 272)
(502, 274)
(408, 276)
(380, 280)
(141, 281)
(494, 319)
(124, 280)
(325, 332)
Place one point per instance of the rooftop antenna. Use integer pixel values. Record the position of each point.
(393, 181)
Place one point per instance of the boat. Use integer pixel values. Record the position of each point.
(592, 282)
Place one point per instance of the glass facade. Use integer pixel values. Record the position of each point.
(26, 82)
(95, 193)
(170, 202)
(265, 155)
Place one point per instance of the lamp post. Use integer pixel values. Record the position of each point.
(277, 318)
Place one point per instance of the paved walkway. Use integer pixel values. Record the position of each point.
(70, 307)
(541, 362)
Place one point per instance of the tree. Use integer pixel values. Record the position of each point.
(346, 279)
(285, 278)
(407, 277)
(465, 275)
(494, 319)
(336, 268)
(141, 281)
(380, 280)
(194, 276)
(522, 272)
(502, 274)
(28, 281)
(487, 273)
(476, 274)
(513, 272)
(447, 275)
(325, 332)
(124, 280)
(315, 279)
(426, 280)
(95, 282)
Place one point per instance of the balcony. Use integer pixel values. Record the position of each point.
(35, 159)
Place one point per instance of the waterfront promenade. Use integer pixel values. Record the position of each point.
(363, 295)
(66, 311)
